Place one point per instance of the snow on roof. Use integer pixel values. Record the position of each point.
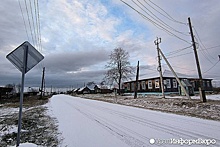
(90, 87)
(75, 89)
(104, 86)
(81, 89)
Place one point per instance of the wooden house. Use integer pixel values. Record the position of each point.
(4, 91)
(103, 89)
(84, 90)
(153, 85)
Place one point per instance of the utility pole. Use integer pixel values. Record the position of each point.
(42, 83)
(201, 88)
(157, 42)
(51, 89)
(178, 80)
(136, 83)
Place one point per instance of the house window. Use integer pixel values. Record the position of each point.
(208, 84)
(139, 86)
(168, 85)
(150, 84)
(143, 85)
(127, 86)
(157, 84)
(174, 83)
(193, 84)
(132, 86)
(203, 83)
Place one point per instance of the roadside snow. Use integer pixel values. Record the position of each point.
(26, 145)
(84, 122)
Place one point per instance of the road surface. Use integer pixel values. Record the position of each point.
(90, 123)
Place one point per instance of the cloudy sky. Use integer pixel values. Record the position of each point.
(77, 37)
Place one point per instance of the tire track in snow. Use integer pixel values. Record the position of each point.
(115, 129)
(152, 124)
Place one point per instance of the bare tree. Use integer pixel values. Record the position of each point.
(91, 83)
(118, 67)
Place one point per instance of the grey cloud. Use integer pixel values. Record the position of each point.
(74, 61)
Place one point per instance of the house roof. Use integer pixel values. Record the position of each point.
(103, 86)
(75, 90)
(81, 89)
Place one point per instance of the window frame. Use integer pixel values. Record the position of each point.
(150, 84)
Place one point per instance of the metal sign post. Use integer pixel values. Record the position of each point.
(22, 94)
(24, 57)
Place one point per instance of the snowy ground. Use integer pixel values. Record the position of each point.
(37, 126)
(172, 104)
(85, 122)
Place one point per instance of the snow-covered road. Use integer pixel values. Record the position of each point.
(89, 123)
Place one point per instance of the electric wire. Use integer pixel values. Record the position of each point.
(37, 27)
(155, 24)
(203, 53)
(37, 16)
(180, 55)
(213, 47)
(211, 67)
(202, 45)
(168, 16)
(160, 21)
(177, 51)
(25, 26)
(33, 22)
(29, 22)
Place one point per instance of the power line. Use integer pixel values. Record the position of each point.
(160, 21)
(202, 42)
(180, 55)
(155, 24)
(29, 22)
(177, 51)
(211, 67)
(23, 20)
(37, 27)
(213, 47)
(169, 16)
(203, 53)
(33, 22)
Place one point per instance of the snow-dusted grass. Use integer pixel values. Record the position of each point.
(26, 145)
(85, 122)
(172, 104)
(37, 126)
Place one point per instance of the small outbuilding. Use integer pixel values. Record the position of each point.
(84, 90)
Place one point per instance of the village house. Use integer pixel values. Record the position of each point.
(103, 89)
(4, 91)
(171, 86)
(84, 90)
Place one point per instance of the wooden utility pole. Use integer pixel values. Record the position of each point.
(136, 83)
(42, 83)
(201, 88)
(178, 80)
(157, 42)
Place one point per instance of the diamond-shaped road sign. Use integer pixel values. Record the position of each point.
(33, 56)
(24, 57)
